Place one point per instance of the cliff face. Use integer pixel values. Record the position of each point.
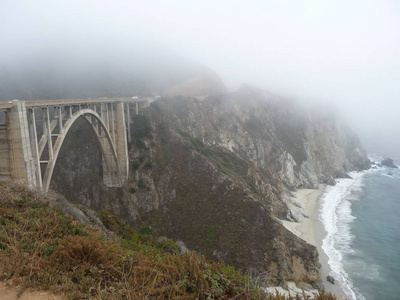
(278, 138)
(214, 173)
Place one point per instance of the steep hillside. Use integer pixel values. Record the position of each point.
(214, 175)
(44, 249)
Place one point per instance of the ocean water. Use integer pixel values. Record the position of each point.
(362, 219)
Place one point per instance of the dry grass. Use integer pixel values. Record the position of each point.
(41, 247)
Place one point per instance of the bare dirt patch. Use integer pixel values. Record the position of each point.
(12, 293)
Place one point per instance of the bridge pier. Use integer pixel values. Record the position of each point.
(120, 142)
(22, 166)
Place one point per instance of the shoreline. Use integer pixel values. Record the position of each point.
(309, 228)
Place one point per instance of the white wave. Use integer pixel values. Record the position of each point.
(375, 157)
(335, 214)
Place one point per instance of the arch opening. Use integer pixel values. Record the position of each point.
(111, 169)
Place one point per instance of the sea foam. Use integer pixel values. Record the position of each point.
(335, 214)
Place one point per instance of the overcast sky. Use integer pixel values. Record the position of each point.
(346, 52)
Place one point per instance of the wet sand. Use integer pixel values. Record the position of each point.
(310, 229)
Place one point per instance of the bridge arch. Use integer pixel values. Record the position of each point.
(111, 168)
(23, 143)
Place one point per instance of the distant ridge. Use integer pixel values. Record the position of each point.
(60, 77)
(204, 82)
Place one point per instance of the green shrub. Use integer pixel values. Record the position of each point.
(141, 184)
(146, 230)
(135, 165)
(141, 127)
(148, 165)
(114, 223)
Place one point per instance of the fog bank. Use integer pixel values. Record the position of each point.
(341, 52)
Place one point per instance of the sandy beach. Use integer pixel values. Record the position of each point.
(306, 203)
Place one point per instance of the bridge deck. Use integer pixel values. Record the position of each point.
(38, 103)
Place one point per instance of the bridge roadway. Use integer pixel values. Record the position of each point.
(29, 153)
(40, 103)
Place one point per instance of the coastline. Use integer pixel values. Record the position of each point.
(311, 229)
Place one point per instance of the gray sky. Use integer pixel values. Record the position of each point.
(346, 52)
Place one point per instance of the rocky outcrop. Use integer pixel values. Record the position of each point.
(388, 162)
(203, 197)
(278, 137)
(214, 174)
(358, 158)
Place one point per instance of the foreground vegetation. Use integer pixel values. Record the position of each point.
(42, 248)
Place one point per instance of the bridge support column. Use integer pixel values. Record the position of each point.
(110, 168)
(121, 144)
(111, 173)
(22, 163)
(34, 146)
(128, 122)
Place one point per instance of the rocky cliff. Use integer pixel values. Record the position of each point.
(214, 175)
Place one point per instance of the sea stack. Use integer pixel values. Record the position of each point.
(388, 162)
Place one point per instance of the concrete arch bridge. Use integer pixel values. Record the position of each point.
(32, 134)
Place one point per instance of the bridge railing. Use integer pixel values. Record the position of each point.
(37, 103)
